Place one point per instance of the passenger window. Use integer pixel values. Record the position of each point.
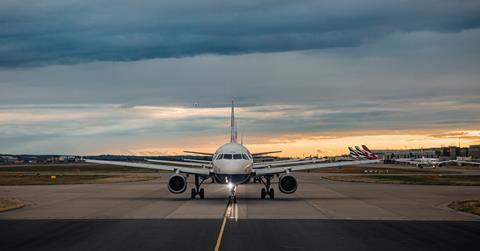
(237, 156)
(227, 156)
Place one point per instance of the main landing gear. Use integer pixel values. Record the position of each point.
(197, 190)
(267, 191)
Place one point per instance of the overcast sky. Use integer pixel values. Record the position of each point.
(89, 77)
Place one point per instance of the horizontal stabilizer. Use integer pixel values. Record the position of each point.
(200, 153)
(264, 153)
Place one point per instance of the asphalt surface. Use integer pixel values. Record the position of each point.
(316, 198)
(108, 234)
(350, 235)
(157, 234)
(321, 215)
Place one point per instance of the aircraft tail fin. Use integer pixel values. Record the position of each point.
(370, 154)
(353, 153)
(366, 148)
(358, 149)
(233, 127)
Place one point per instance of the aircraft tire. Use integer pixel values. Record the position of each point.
(263, 193)
(194, 193)
(202, 193)
(271, 194)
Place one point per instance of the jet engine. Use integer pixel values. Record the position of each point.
(177, 184)
(287, 184)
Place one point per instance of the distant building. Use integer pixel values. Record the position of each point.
(442, 153)
(408, 153)
(474, 151)
(67, 158)
(8, 159)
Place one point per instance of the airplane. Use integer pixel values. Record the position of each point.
(233, 164)
(420, 162)
(432, 162)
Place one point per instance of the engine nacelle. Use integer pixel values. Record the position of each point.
(287, 184)
(177, 183)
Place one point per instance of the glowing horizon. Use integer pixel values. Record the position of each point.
(304, 147)
(168, 130)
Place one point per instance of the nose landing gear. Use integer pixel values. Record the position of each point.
(233, 196)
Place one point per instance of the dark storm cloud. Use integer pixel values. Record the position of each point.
(60, 32)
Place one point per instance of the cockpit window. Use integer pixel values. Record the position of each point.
(233, 156)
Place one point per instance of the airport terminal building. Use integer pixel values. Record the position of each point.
(443, 153)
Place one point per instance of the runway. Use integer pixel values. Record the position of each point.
(176, 234)
(322, 214)
(316, 198)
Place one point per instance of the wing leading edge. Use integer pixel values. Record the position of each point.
(163, 167)
(294, 168)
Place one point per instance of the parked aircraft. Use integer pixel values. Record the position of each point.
(433, 162)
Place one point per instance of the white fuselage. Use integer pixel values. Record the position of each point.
(232, 163)
(428, 160)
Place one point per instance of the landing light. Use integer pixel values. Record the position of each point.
(230, 185)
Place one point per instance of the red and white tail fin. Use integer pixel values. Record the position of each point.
(369, 153)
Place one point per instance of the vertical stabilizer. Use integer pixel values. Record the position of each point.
(236, 130)
(233, 128)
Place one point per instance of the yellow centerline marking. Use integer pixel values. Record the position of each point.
(228, 212)
(236, 212)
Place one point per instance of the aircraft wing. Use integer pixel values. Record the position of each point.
(198, 161)
(179, 163)
(460, 162)
(303, 167)
(266, 163)
(467, 162)
(163, 167)
(286, 163)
